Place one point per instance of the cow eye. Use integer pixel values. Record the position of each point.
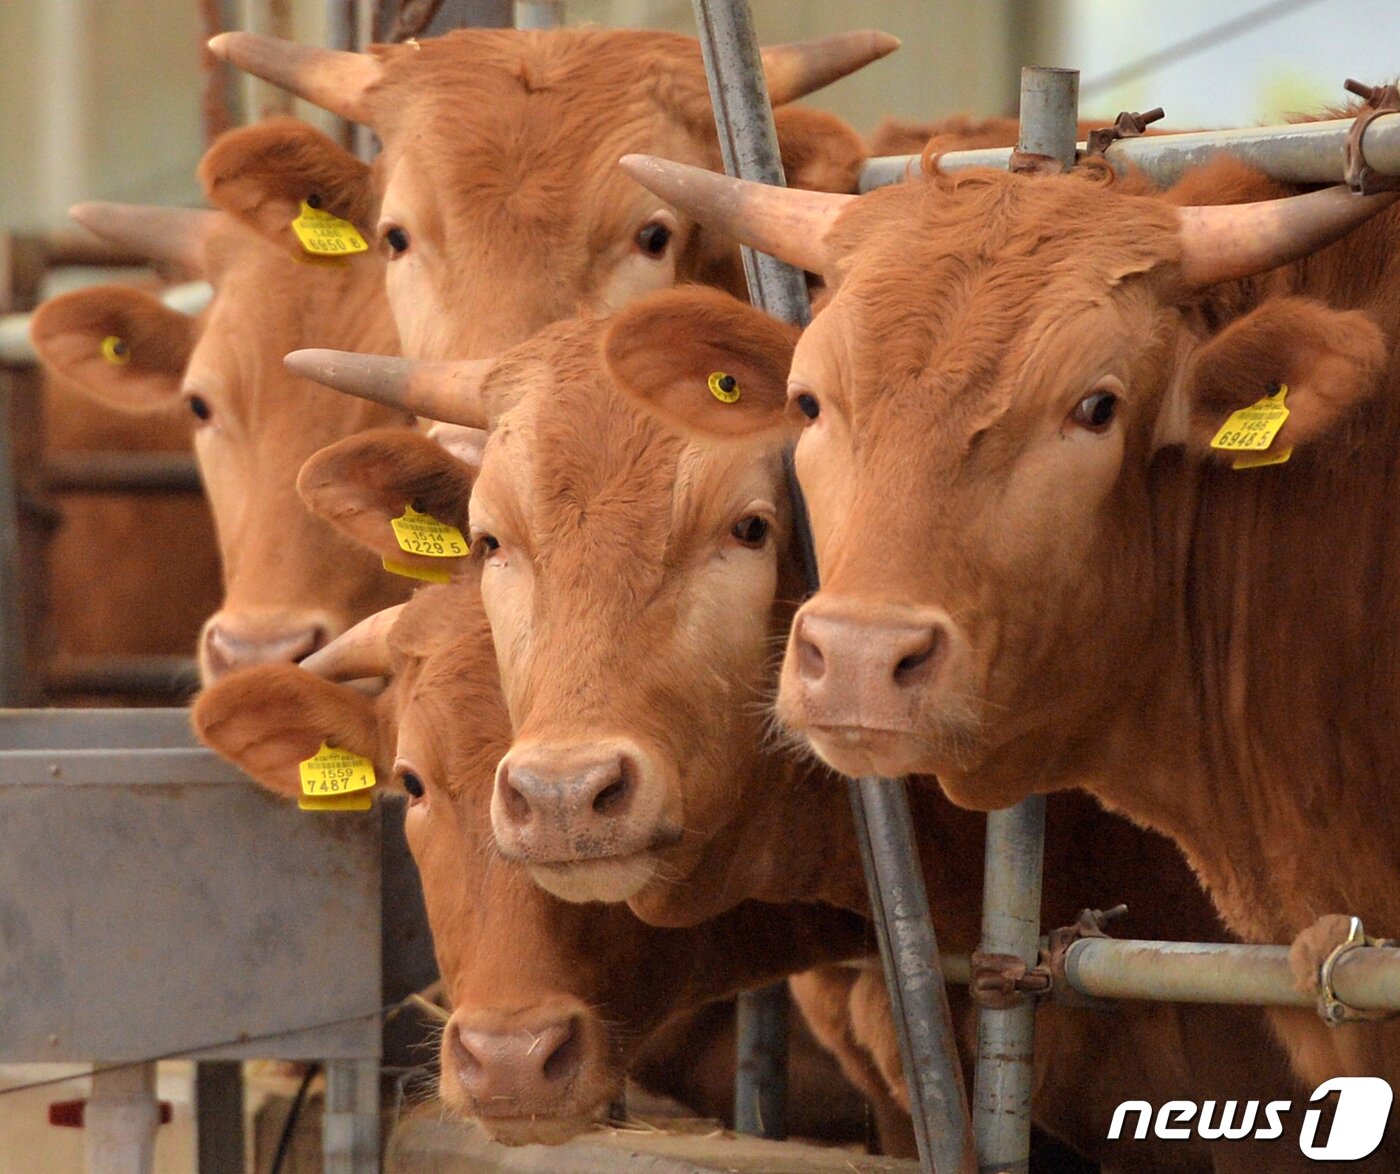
(807, 404)
(397, 240)
(1096, 411)
(200, 407)
(485, 544)
(653, 239)
(413, 785)
(750, 531)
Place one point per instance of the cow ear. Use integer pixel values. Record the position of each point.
(261, 174)
(362, 483)
(820, 152)
(116, 344)
(705, 361)
(268, 720)
(1328, 360)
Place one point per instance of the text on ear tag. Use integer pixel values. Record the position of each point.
(116, 350)
(324, 235)
(724, 388)
(1253, 429)
(419, 533)
(335, 780)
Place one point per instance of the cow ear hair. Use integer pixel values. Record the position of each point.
(820, 152)
(268, 720)
(667, 350)
(1328, 360)
(261, 174)
(119, 345)
(360, 484)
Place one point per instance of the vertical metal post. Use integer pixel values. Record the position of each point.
(1015, 846)
(350, 1129)
(120, 1119)
(218, 1110)
(539, 14)
(749, 144)
(761, 1076)
(1001, 1111)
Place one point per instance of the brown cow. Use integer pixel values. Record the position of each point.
(1025, 376)
(290, 583)
(551, 1000)
(634, 582)
(497, 194)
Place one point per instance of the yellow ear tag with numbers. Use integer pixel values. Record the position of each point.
(335, 780)
(1251, 431)
(324, 235)
(724, 388)
(423, 534)
(409, 571)
(116, 350)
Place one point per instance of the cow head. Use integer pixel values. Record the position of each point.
(550, 1001)
(634, 583)
(1011, 391)
(497, 196)
(290, 583)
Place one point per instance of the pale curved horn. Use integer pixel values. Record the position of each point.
(171, 235)
(804, 66)
(1226, 242)
(451, 392)
(358, 652)
(788, 223)
(329, 78)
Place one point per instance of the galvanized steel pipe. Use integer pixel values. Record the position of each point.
(1367, 977)
(539, 14)
(1310, 152)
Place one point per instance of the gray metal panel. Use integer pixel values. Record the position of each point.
(142, 918)
(92, 729)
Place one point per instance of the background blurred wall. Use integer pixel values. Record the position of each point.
(100, 99)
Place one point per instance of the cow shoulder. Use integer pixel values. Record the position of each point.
(261, 174)
(819, 151)
(360, 484)
(118, 345)
(268, 720)
(677, 352)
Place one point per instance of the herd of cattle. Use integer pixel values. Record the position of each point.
(1037, 573)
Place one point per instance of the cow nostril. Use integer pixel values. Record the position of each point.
(916, 667)
(612, 800)
(811, 664)
(517, 807)
(561, 1064)
(316, 639)
(468, 1064)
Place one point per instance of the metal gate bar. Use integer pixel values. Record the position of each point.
(908, 946)
(1310, 152)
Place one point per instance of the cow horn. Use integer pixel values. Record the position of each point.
(329, 78)
(451, 392)
(1227, 242)
(358, 652)
(174, 236)
(786, 222)
(805, 66)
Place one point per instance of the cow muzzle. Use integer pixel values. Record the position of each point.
(863, 682)
(538, 1078)
(233, 640)
(587, 818)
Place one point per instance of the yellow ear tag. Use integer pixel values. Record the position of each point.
(424, 534)
(409, 571)
(116, 350)
(1252, 430)
(335, 780)
(324, 235)
(724, 388)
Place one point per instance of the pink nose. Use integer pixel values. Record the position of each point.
(229, 645)
(557, 804)
(867, 668)
(512, 1073)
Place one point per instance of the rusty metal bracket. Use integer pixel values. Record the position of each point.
(1091, 923)
(1128, 125)
(1002, 981)
(1329, 1007)
(1359, 174)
